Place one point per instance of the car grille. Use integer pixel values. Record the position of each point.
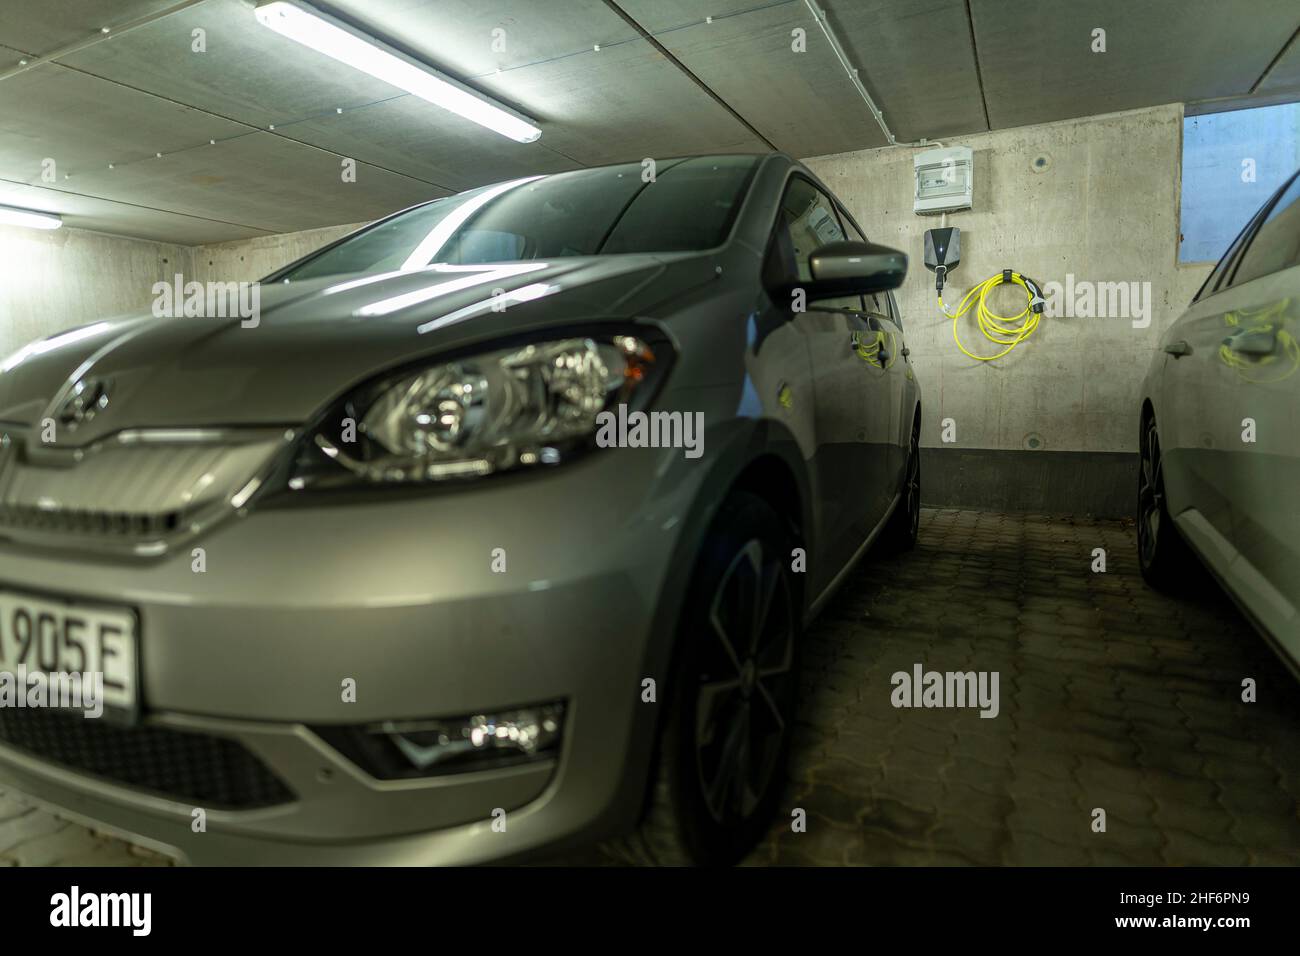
(127, 491)
(209, 772)
(90, 522)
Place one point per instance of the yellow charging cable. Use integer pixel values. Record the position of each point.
(869, 352)
(1270, 368)
(1005, 330)
(1267, 369)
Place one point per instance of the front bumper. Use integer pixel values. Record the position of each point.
(400, 597)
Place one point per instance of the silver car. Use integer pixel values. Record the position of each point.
(1220, 430)
(495, 533)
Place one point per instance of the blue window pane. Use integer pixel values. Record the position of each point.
(1232, 163)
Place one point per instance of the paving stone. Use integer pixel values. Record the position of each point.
(1029, 849)
(1112, 695)
(11, 806)
(1184, 848)
(821, 844)
(71, 846)
(30, 825)
(969, 838)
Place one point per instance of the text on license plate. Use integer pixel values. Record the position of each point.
(43, 636)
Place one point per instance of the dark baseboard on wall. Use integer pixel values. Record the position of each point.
(1103, 484)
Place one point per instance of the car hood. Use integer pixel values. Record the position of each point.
(315, 339)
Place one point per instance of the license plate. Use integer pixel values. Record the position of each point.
(45, 636)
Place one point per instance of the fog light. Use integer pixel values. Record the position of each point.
(421, 748)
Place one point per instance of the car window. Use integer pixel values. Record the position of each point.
(1276, 243)
(894, 312)
(851, 230)
(875, 303)
(806, 221)
(879, 303)
(690, 206)
(1215, 279)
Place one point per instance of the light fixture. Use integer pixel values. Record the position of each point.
(405, 749)
(29, 217)
(325, 34)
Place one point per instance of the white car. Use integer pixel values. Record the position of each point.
(1220, 430)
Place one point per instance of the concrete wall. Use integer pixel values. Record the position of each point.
(1104, 207)
(51, 281)
(245, 260)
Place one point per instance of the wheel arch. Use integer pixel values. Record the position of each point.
(763, 460)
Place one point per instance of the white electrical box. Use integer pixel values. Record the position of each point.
(944, 180)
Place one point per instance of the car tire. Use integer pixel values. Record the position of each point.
(1163, 556)
(901, 531)
(723, 743)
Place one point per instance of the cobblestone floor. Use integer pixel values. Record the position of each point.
(1111, 696)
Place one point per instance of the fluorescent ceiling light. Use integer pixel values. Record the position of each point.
(29, 217)
(325, 34)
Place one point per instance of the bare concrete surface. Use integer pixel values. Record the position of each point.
(1111, 697)
(1107, 208)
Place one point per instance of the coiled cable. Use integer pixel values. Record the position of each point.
(1005, 330)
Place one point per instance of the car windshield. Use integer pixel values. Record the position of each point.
(689, 206)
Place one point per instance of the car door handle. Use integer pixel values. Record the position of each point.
(1178, 349)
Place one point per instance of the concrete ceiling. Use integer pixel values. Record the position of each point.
(665, 81)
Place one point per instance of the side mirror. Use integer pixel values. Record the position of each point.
(854, 268)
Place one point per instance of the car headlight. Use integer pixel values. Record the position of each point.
(477, 414)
